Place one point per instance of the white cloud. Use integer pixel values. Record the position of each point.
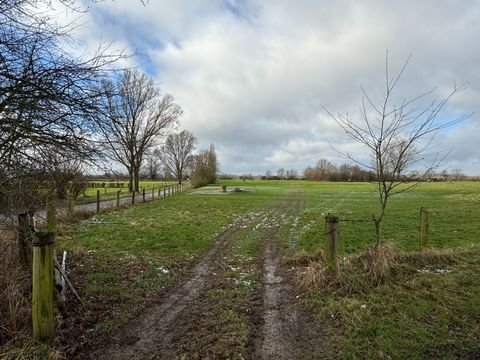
(252, 75)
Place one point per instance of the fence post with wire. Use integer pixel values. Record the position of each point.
(330, 247)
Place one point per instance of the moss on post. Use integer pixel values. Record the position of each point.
(42, 286)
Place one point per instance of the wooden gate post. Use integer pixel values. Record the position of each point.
(330, 247)
(98, 201)
(42, 286)
(118, 199)
(423, 228)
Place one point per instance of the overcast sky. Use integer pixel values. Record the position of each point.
(252, 76)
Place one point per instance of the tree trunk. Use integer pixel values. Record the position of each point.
(137, 179)
(130, 180)
(378, 236)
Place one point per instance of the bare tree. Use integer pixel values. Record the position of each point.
(153, 165)
(205, 167)
(397, 138)
(176, 154)
(47, 96)
(135, 116)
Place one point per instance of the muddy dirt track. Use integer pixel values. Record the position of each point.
(236, 302)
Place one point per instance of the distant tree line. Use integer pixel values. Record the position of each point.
(324, 170)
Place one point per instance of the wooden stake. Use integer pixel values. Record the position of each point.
(423, 228)
(330, 248)
(70, 205)
(98, 201)
(118, 199)
(51, 213)
(23, 236)
(42, 286)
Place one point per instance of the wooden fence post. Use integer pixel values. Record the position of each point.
(51, 213)
(23, 235)
(164, 191)
(423, 228)
(42, 286)
(70, 205)
(330, 248)
(143, 194)
(98, 201)
(133, 197)
(118, 199)
(159, 192)
(153, 193)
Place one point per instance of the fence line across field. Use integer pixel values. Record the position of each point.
(155, 192)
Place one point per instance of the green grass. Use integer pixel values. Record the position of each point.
(128, 256)
(427, 312)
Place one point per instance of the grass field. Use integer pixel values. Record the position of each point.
(124, 259)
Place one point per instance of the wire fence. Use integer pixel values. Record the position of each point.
(448, 227)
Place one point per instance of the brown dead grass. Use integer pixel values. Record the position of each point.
(15, 295)
(372, 267)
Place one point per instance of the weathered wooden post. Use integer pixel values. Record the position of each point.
(51, 213)
(159, 192)
(143, 194)
(330, 247)
(42, 286)
(118, 199)
(164, 191)
(423, 228)
(23, 235)
(224, 188)
(133, 197)
(70, 205)
(153, 193)
(98, 201)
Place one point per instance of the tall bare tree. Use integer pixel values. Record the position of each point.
(47, 96)
(176, 154)
(136, 115)
(397, 138)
